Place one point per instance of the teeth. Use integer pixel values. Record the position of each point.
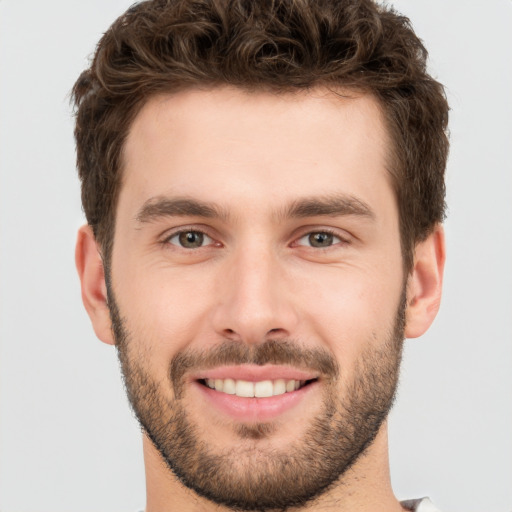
(260, 389)
(263, 388)
(229, 386)
(279, 387)
(244, 388)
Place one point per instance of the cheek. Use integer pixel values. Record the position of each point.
(354, 310)
(164, 311)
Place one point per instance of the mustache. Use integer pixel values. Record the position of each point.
(277, 352)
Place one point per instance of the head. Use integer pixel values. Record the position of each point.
(164, 47)
(263, 184)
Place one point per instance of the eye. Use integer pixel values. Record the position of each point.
(190, 239)
(319, 239)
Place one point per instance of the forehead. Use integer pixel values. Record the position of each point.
(224, 144)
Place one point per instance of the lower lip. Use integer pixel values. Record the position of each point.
(255, 409)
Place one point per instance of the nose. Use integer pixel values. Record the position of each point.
(254, 302)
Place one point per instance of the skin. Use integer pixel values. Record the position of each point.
(257, 277)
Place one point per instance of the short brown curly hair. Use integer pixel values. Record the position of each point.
(163, 46)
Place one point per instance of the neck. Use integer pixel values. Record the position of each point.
(365, 487)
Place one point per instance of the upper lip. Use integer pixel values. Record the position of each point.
(255, 373)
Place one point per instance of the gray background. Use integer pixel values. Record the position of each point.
(68, 442)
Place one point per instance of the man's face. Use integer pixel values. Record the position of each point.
(257, 252)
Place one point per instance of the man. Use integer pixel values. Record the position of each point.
(264, 189)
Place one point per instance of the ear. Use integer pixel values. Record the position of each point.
(92, 279)
(425, 283)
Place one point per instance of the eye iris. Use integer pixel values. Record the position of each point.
(320, 239)
(191, 239)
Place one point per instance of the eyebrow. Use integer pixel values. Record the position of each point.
(158, 207)
(326, 206)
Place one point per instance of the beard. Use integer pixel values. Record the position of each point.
(253, 476)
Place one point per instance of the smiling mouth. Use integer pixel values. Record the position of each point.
(258, 389)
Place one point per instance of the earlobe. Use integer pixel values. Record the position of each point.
(424, 286)
(92, 279)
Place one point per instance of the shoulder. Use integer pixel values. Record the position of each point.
(419, 505)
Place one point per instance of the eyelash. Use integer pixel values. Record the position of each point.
(327, 231)
(167, 239)
(342, 240)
